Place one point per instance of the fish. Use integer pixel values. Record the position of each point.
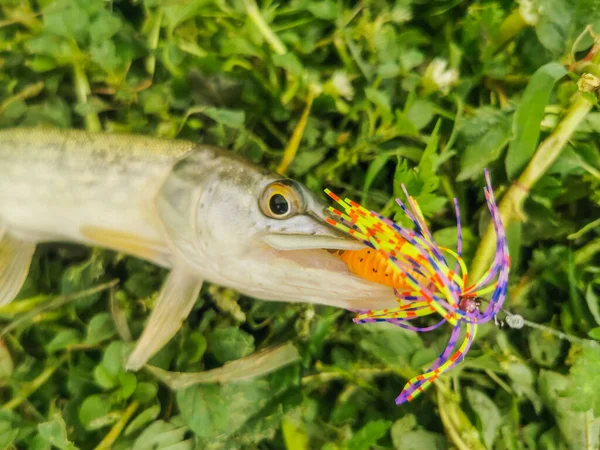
(203, 213)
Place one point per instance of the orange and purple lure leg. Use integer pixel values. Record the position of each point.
(415, 252)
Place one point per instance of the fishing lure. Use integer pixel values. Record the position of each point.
(371, 265)
(422, 278)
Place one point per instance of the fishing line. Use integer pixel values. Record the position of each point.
(517, 322)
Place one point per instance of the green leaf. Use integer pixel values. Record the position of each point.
(420, 113)
(161, 435)
(486, 148)
(379, 99)
(402, 426)
(227, 117)
(294, 436)
(113, 359)
(368, 435)
(579, 428)
(289, 62)
(92, 408)
(593, 301)
(55, 433)
(587, 13)
(374, 168)
(522, 380)
(420, 440)
(324, 9)
(595, 333)
(67, 19)
(221, 410)
(528, 116)
(144, 392)
(562, 21)
(63, 339)
(142, 284)
(391, 345)
(8, 434)
(100, 328)
(104, 26)
(7, 365)
(128, 382)
(545, 348)
(423, 182)
(178, 12)
(142, 419)
(103, 377)
(83, 276)
(427, 164)
(583, 378)
(227, 344)
(488, 416)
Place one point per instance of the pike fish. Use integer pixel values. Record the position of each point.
(203, 213)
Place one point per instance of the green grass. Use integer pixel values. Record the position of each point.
(377, 76)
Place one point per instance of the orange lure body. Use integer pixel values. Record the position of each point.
(372, 266)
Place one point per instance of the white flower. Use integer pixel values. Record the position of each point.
(342, 85)
(529, 12)
(438, 77)
(401, 14)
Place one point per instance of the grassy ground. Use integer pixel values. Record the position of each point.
(375, 78)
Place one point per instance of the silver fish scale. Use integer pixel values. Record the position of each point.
(84, 167)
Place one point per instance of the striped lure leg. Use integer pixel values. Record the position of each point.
(429, 285)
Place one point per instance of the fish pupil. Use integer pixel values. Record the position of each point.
(279, 205)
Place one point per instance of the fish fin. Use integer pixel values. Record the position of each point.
(15, 259)
(124, 242)
(174, 304)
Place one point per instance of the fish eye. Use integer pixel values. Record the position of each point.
(279, 205)
(281, 200)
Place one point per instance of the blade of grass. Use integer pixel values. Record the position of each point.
(546, 154)
(529, 115)
(256, 17)
(32, 386)
(57, 302)
(117, 429)
(292, 148)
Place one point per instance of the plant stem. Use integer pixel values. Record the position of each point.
(82, 89)
(512, 25)
(34, 385)
(31, 90)
(459, 428)
(511, 205)
(54, 303)
(256, 17)
(115, 431)
(292, 148)
(153, 36)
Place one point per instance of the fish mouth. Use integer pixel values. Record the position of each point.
(323, 273)
(319, 249)
(312, 263)
(315, 252)
(290, 242)
(312, 231)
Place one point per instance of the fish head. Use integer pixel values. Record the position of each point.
(245, 227)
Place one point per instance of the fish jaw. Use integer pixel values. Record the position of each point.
(311, 276)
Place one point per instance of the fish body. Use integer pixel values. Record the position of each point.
(67, 186)
(202, 212)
